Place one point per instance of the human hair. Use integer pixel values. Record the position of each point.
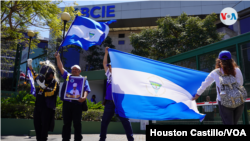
(228, 66)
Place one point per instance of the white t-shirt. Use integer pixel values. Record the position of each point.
(75, 92)
(109, 76)
(213, 76)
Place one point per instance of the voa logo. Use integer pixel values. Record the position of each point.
(228, 16)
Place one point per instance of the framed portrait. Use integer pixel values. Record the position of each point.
(74, 88)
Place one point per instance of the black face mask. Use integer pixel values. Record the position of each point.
(44, 73)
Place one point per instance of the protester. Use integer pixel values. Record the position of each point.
(109, 109)
(93, 99)
(225, 65)
(209, 110)
(44, 112)
(72, 109)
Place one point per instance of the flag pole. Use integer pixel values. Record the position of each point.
(67, 33)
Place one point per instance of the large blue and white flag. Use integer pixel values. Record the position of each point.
(152, 90)
(85, 32)
(32, 83)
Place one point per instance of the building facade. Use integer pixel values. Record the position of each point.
(135, 16)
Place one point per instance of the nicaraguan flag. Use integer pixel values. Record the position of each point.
(152, 90)
(85, 32)
(32, 84)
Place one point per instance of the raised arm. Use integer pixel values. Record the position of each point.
(29, 61)
(59, 62)
(105, 59)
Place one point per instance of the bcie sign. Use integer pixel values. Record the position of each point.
(108, 9)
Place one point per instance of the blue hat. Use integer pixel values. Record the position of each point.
(224, 55)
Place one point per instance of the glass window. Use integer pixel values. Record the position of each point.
(11, 75)
(207, 61)
(121, 42)
(188, 63)
(245, 63)
(121, 35)
(245, 58)
(244, 25)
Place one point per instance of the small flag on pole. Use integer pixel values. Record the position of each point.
(32, 83)
(85, 32)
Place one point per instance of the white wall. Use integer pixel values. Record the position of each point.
(127, 47)
(96, 87)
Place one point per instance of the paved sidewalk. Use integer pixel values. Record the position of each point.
(86, 137)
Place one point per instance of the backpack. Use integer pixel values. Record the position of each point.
(231, 92)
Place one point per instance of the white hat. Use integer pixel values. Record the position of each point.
(77, 66)
(75, 85)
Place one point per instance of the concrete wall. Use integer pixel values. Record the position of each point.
(96, 87)
(244, 4)
(127, 47)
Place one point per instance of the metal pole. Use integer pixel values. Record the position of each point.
(27, 61)
(64, 22)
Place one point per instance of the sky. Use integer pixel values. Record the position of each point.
(45, 32)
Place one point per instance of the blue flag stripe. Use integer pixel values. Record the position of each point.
(184, 77)
(141, 107)
(67, 32)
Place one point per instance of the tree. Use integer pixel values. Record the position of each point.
(17, 16)
(94, 56)
(175, 35)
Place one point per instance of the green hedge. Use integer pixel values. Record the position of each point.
(25, 111)
(22, 106)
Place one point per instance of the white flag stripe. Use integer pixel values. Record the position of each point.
(106, 31)
(83, 32)
(138, 83)
(192, 105)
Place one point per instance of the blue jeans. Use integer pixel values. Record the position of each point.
(109, 112)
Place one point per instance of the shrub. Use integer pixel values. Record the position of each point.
(24, 111)
(18, 111)
(23, 104)
(92, 115)
(92, 105)
(26, 87)
(22, 98)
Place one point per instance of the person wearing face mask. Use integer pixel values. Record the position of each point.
(44, 112)
(109, 109)
(72, 109)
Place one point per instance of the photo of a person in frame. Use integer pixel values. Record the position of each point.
(74, 93)
(74, 88)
